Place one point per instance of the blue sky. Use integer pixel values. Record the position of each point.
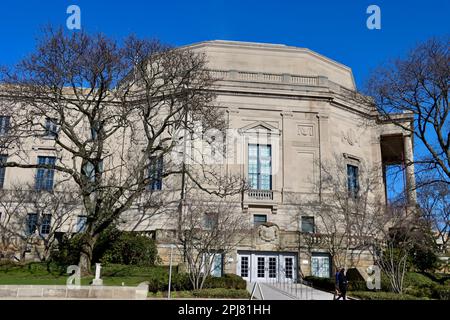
(336, 29)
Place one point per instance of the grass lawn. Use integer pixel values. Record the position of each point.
(112, 275)
(39, 273)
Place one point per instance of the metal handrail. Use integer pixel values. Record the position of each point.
(300, 289)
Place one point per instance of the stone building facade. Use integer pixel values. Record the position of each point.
(292, 110)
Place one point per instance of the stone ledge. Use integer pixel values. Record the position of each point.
(83, 292)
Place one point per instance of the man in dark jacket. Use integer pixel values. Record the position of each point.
(342, 282)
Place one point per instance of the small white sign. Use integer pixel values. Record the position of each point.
(305, 261)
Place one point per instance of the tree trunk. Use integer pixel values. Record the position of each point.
(87, 249)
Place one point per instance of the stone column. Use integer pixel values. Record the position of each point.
(409, 170)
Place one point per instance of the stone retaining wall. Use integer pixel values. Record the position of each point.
(81, 292)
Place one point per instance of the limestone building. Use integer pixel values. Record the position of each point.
(293, 110)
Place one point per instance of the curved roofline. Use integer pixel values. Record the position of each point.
(270, 47)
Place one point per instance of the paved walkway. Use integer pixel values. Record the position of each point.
(288, 292)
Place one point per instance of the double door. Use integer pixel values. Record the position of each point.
(267, 267)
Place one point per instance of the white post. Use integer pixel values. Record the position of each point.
(97, 281)
(170, 270)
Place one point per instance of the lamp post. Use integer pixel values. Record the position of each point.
(170, 269)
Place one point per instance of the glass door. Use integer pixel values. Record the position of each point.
(266, 268)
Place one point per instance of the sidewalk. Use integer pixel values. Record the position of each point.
(271, 292)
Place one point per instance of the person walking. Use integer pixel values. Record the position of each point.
(343, 283)
(336, 284)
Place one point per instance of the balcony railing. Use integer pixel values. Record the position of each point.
(260, 194)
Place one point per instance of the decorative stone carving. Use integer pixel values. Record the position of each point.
(350, 136)
(268, 232)
(305, 130)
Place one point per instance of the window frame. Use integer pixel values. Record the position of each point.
(155, 173)
(352, 180)
(259, 174)
(304, 223)
(44, 175)
(46, 224)
(3, 159)
(51, 128)
(5, 124)
(258, 223)
(31, 224)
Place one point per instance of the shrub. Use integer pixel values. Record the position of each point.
(441, 292)
(159, 281)
(227, 281)
(380, 295)
(129, 248)
(327, 284)
(67, 251)
(221, 293)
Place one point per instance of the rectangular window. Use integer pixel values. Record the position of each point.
(89, 170)
(308, 224)
(244, 267)
(217, 265)
(44, 176)
(31, 223)
(259, 219)
(46, 223)
(288, 264)
(51, 128)
(95, 129)
(211, 220)
(3, 160)
(352, 180)
(260, 166)
(272, 267)
(155, 172)
(4, 124)
(81, 223)
(261, 267)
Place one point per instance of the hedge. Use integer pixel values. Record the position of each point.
(228, 281)
(159, 281)
(381, 295)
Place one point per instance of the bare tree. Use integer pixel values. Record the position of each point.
(210, 229)
(345, 216)
(434, 202)
(399, 230)
(418, 85)
(31, 218)
(118, 110)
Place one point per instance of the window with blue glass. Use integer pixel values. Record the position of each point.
(352, 180)
(32, 221)
(260, 166)
(259, 219)
(4, 124)
(46, 224)
(3, 160)
(51, 128)
(81, 223)
(89, 170)
(44, 176)
(155, 173)
(95, 129)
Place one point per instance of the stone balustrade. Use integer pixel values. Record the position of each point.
(260, 194)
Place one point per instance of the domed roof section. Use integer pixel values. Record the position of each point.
(273, 58)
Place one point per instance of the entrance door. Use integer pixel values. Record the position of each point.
(266, 268)
(244, 266)
(320, 265)
(288, 268)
